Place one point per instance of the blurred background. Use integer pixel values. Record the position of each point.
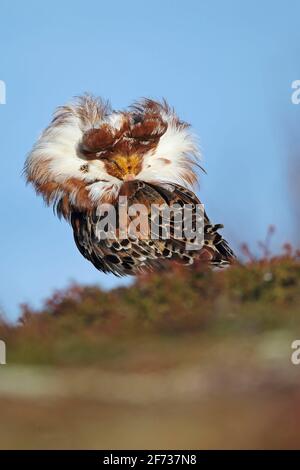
(226, 67)
(122, 363)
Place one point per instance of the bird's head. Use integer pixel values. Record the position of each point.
(89, 152)
(122, 144)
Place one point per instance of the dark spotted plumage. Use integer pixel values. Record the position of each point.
(91, 155)
(133, 255)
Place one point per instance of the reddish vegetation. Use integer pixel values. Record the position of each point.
(256, 297)
(183, 359)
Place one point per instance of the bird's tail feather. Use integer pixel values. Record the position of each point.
(221, 253)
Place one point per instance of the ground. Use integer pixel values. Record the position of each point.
(184, 359)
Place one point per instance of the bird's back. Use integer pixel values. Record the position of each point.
(156, 243)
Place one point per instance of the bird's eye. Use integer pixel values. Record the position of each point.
(84, 168)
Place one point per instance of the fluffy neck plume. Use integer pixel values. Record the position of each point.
(74, 163)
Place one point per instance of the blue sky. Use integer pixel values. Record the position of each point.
(227, 67)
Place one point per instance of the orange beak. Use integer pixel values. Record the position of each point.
(128, 166)
(129, 177)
